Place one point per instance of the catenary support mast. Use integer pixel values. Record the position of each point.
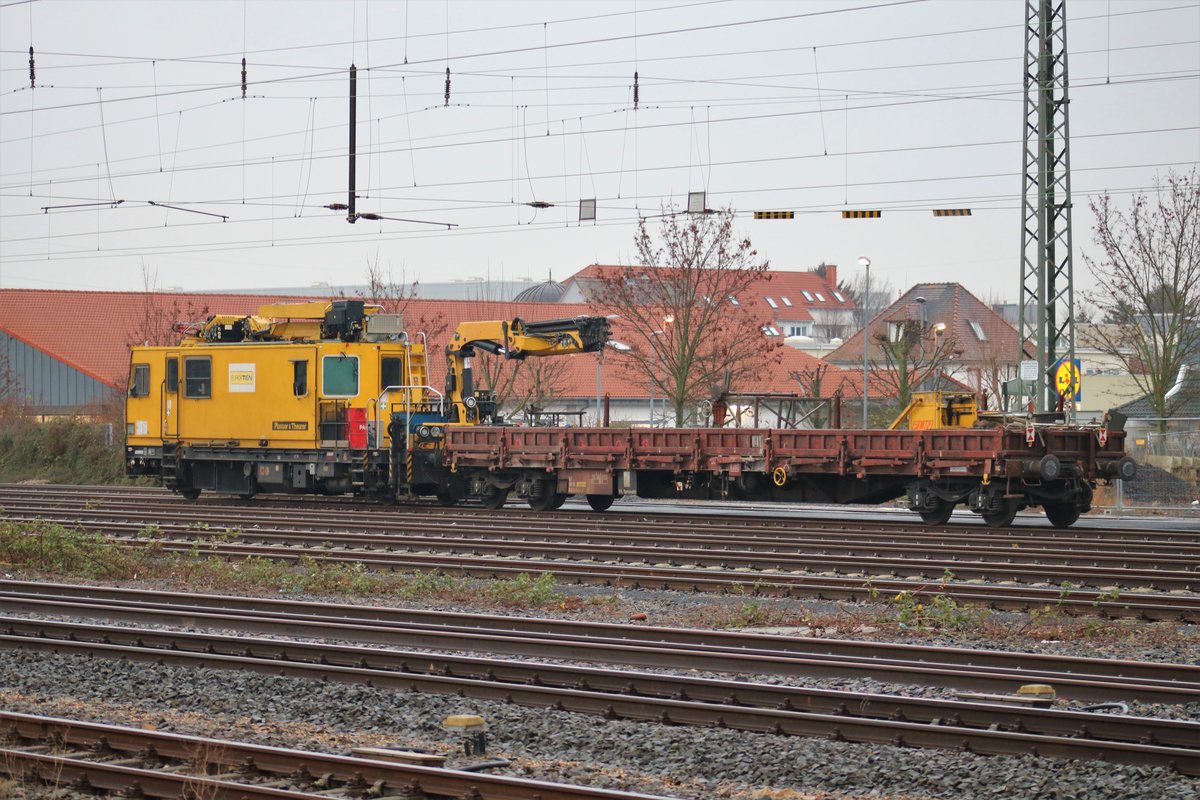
(1045, 308)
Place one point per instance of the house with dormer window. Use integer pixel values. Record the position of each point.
(801, 303)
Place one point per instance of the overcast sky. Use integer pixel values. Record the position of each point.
(808, 105)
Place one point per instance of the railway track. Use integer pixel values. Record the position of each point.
(86, 757)
(690, 518)
(740, 545)
(1144, 574)
(621, 693)
(1090, 679)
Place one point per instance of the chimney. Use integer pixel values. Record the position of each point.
(831, 275)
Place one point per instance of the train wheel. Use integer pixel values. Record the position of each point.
(1061, 515)
(559, 499)
(543, 497)
(189, 493)
(1002, 518)
(446, 499)
(939, 514)
(494, 497)
(600, 502)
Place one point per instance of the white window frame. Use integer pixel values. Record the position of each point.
(807, 295)
(771, 302)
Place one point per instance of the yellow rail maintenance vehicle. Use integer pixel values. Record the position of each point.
(325, 398)
(297, 399)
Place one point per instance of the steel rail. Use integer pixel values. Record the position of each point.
(444, 532)
(927, 567)
(1112, 603)
(1058, 722)
(736, 642)
(1154, 683)
(1129, 604)
(762, 519)
(679, 711)
(353, 775)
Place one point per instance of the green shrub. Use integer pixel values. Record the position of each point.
(64, 450)
(525, 591)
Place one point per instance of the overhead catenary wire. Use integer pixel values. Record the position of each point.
(439, 143)
(563, 130)
(914, 203)
(725, 81)
(262, 138)
(576, 43)
(480, 230)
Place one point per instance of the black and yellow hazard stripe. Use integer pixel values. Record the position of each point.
(774, 214)
(952, 212)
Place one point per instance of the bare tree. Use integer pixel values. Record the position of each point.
(539, 380)
(159, 314)
(831, 323)
(499, 374)
(12, 392)
(910, 355)
(1148, 289)
(396, 296)
(811, 380)
(882, 295)
(687, 310)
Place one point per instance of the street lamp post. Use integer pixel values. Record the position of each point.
(620, 347)
(865, 262)
(938, 330)
(921, 357)
(599, 355)
(650, 340)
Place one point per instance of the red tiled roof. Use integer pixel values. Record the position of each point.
(952, 304)
(774, 284)
(92, 331)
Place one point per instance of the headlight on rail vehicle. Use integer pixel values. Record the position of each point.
(423, 431)
(470, 401)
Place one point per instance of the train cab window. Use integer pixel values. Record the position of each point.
(197, 377)
(300, 378)
(339, 376)
(389, 372)
(139, 381)
(172, 374)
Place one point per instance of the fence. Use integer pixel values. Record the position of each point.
(1168, 474)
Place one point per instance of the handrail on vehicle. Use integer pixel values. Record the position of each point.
(441, 403)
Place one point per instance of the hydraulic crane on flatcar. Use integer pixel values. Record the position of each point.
(513, 339)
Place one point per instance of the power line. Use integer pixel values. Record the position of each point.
(440, 145)
(310, 241)
(510, 51)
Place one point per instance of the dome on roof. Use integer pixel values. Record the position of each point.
(550, 291)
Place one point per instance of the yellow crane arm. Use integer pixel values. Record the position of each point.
(513, 339)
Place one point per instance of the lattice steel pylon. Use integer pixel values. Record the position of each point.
(1045, 310)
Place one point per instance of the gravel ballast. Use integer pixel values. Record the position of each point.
(551, 745)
